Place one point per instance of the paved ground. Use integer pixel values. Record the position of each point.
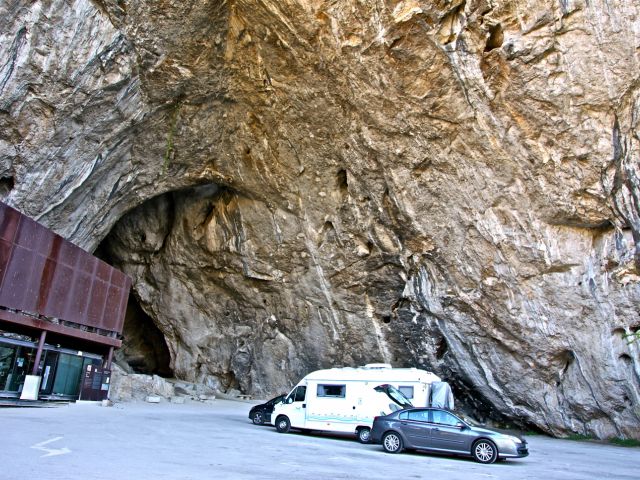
(199, 441)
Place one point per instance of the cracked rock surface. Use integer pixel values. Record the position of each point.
(297, 184)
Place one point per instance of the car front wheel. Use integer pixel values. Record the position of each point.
(283, 425)
(484, 451)
(257, 418)
(392, 442)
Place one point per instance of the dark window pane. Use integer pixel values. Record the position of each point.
(299, 394)
(332, 391)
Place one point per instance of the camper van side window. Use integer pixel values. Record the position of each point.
(332, 391)
(407, 391)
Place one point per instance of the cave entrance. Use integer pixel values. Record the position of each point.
(144, 349)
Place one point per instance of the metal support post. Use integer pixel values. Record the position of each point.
(109, 359)
(36, 363)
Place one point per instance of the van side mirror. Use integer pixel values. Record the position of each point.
(289, 400)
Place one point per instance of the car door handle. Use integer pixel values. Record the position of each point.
(436, 429)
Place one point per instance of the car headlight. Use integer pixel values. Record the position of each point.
(515, 440)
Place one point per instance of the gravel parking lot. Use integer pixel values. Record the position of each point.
(204, 441)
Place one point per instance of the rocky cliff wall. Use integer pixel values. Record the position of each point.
(295, 184)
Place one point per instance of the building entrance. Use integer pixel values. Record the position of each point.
(61, 370)
(15, 364)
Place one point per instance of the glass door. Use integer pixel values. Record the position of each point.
(21, 368)
(67, 375)
(7, 357)
(48, 371)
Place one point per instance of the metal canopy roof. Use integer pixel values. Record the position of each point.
(48, 283)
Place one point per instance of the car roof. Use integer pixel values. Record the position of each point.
(440, 409)
(427, 408)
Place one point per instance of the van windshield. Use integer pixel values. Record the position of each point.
(394, 394)
(298, 394)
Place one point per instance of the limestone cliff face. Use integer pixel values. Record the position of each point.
(295, 184)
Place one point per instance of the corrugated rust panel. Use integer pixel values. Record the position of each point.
(68, 254)
(118, 278)
(5, 255)
(9, 219)
(103, 272)
(112, 309)
(124, 300)
(98, 302)
(33, 236)
(43, 274)
(76, 308)
(18, 290)
(58, 294)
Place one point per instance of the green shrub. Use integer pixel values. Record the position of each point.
(625, 442)
(579, 437)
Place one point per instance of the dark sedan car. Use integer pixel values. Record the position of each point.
(440, 430)
(261, 414)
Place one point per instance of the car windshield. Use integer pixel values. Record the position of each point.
(394, 394)
(277, 399)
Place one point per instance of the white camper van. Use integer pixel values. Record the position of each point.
(347, 399)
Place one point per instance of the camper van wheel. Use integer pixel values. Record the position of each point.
(392, 442)
(283, 424)
(364, 434)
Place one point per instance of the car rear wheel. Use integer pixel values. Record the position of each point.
(484, 451)
(392, 442)
(364, 435)
(257, 418)
(283, 425)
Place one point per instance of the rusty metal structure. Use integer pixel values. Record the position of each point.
(49, 286)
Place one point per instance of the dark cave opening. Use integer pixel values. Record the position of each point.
(230, 382)
(6, 186)
(626, 358)
(144, 349)
(144, 231)
(496, 37)
(442, 349)
(342, 180)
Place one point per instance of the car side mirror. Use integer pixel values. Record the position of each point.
(289, 400)
(461, 425)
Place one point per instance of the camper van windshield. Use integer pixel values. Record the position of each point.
(297, 395)
(395, 395)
